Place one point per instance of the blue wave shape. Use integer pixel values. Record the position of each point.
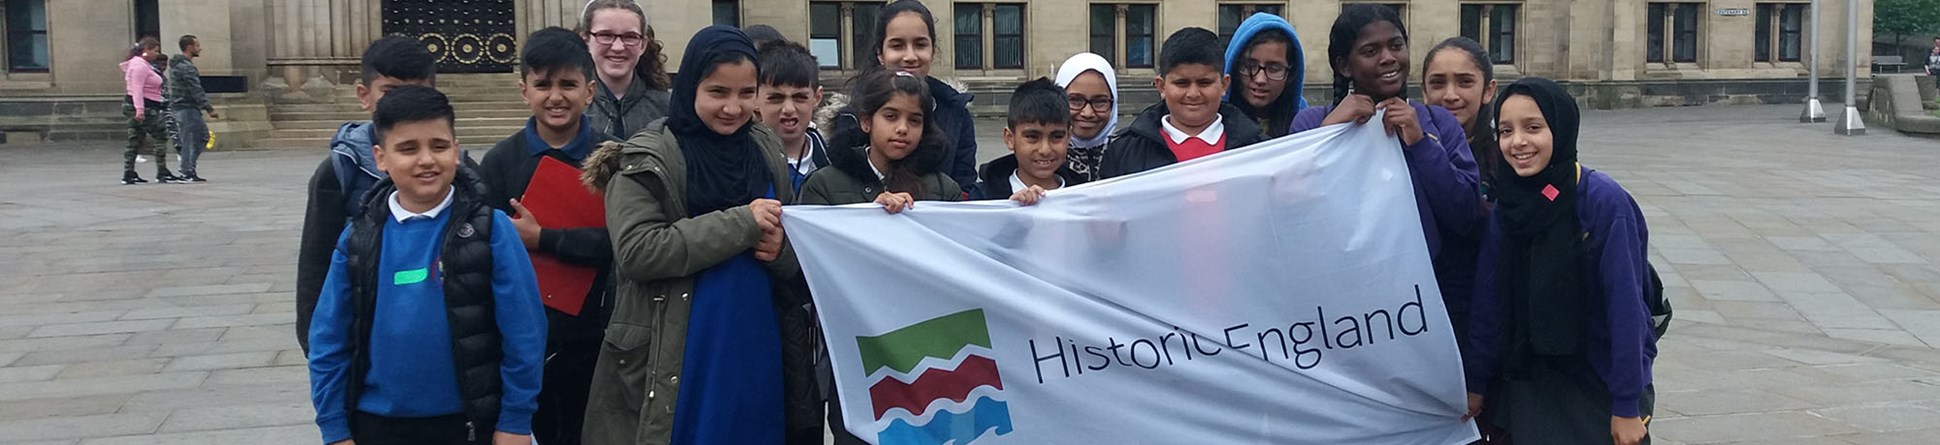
(948, 426)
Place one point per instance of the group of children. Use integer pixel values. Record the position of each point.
(699, 327)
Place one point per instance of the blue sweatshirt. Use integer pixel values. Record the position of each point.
(1620, 343)
(412, 372)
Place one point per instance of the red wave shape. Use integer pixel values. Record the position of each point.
(975, 371)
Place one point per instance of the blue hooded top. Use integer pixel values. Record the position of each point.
(1278, 116)
(356, 166)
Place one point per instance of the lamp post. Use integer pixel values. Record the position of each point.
(1814, 112)
(1850, 122)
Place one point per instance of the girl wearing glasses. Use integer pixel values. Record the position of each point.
(1268, 70)
(1091, 87)
(632, 84)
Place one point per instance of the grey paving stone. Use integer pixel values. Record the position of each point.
(1726, 401)
(1733, 290)
(241, 416)
(1922, 324)
(1859, 393)
(114, 368)
(1802, 282)
(190, 311)
(1884, 418)
(1757, 428)
(61, 343)
(222, 361)
(285, 375)
(29, 373)
(265, 435)
(1811, 357)
(103, 385)
(233, 320)
(86, 355)
(214, 289)
(106, 327)
(63, 407)
(80, 426)
(1912, 437)
(1695, 256)
(1887, 336)
(174, 336)
(291, 357)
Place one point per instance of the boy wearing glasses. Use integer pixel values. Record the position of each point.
(1038, 133)
(1268, 71)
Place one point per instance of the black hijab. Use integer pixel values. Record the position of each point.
(723, 170)
(1542, 242)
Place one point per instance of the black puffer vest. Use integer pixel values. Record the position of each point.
(465, 262)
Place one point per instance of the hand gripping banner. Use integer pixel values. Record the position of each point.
(1278, 294)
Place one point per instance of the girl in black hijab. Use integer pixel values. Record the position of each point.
(708, 342)
(1561, 337)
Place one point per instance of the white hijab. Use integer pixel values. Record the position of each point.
(1079, 64)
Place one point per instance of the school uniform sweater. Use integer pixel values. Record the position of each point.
(1619, 343)
(412, 368)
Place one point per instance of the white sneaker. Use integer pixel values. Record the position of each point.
(141, 159)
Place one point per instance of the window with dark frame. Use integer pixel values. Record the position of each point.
(1130, 27)
(825, 34)
(1231, 15)
(148, 19)
(26, 36)
(1007, 40)
(968, 19)
(1779, 28)
(1494, 26)
(1104, 31)
(1672, 30)
(862, 29)
(1141, 29)
(727, 12)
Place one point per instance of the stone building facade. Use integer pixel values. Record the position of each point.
(61, 54)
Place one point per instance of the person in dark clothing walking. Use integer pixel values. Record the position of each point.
(1190, 122)
(556, 75)
(429, 330)
(1561, 334)
(336, 190)
(186, 103)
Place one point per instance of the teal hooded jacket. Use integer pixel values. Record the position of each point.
(1278, 116)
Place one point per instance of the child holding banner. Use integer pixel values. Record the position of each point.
(1037, 132)
(1368, 49)
(700, 349)
(1562, 338)
(895, 157)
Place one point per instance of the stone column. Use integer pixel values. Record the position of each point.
(1053, 31)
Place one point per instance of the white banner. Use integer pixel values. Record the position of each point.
(1278, 294)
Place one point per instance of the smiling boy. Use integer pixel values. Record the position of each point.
(1038, 133)
(1191, 121)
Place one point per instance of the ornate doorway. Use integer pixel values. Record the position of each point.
(467, 36)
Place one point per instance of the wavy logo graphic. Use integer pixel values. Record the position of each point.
(936, 381)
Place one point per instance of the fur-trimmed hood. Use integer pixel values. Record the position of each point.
(849, 152)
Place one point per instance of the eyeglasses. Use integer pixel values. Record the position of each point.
(1100, 103)
(607, 38)
(1273, 72)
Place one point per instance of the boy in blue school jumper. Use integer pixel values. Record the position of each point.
(556, 81)
(790, 91)
(429, 329)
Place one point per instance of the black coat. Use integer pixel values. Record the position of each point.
(1142, 145)
(850, 180)
(466, 263)
(995, 177)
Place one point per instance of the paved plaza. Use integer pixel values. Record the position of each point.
(1804, 267)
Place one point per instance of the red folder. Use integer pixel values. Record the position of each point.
(560, 201)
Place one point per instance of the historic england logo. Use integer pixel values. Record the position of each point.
(936, 381)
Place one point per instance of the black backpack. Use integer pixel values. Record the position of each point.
(1660, 307)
